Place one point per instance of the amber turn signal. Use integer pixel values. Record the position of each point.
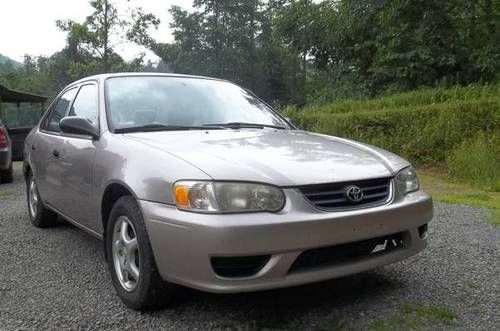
(182, 195)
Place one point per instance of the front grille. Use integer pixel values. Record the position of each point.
(333, 196)
(347, 253)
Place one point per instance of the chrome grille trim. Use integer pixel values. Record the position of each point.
(331, 196)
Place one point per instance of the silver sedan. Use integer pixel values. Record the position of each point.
(196, 181)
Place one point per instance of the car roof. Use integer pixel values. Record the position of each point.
(102, 77)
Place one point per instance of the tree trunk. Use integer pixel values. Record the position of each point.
(218, 37)
(105, 38)
(472, 21)
(488, 10)
(253, 51)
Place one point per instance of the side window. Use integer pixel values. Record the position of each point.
(85, 104)
(59, 111)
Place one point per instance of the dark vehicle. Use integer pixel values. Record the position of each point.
(5, 155)
(17, 137)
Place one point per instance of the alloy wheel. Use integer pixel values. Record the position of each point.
(126, 253)
(33, 197)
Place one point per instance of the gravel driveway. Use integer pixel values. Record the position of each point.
(57, 279)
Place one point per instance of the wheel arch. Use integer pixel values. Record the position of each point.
(26, 170)
(113, 192)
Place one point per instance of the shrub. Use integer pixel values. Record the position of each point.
(422, 97)
(477, 160)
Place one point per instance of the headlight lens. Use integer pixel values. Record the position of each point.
(407, 181)
(226, 197)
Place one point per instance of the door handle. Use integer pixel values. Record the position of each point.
(55, 153)
(33, 147)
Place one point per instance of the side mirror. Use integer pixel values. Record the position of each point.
(78, 125)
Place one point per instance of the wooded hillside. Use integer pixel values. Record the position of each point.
(287, 51)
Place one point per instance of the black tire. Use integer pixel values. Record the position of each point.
(42, 217)
(151, 291)
(7, 175)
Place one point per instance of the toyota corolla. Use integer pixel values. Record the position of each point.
(196, 181)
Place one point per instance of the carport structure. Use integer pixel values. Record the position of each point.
(22, 110)
(14, 96)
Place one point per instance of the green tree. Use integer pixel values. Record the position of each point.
(289, 51)
(92, 38)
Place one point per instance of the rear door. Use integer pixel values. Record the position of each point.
(45, 151)
(76, 159)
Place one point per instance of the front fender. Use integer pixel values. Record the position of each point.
(148, 173)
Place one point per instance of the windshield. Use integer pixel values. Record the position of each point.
(161, 101)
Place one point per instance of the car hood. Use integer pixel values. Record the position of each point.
(279, 157)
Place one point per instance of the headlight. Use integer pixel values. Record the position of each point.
(227, 197)
(407, 181)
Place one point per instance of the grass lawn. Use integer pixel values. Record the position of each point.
(437, 183)
(416, 316)
(4, 194)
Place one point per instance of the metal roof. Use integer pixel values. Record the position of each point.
(9, 95)
(139, 74)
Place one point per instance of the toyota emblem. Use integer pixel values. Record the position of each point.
(354, 193)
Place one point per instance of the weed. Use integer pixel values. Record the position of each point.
(4, 194)
(415, 316)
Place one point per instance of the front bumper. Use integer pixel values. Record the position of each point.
(184, 243)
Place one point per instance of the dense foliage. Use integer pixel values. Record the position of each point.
(303, 50)
(288, 51)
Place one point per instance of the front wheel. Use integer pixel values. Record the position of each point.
(130, 259)
(40, 216)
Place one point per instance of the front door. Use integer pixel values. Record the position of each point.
(45, 152)
(76, 162)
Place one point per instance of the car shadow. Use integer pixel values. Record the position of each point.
(275, 308)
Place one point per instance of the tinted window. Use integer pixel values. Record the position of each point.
(59, 111)
(144, 100)
(85, 104)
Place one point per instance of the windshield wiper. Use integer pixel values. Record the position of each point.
(161, 127)
(239, 125)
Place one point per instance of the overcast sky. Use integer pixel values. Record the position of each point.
(28, 26)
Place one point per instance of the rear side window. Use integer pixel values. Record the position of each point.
(59, 111)
(85, 104)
